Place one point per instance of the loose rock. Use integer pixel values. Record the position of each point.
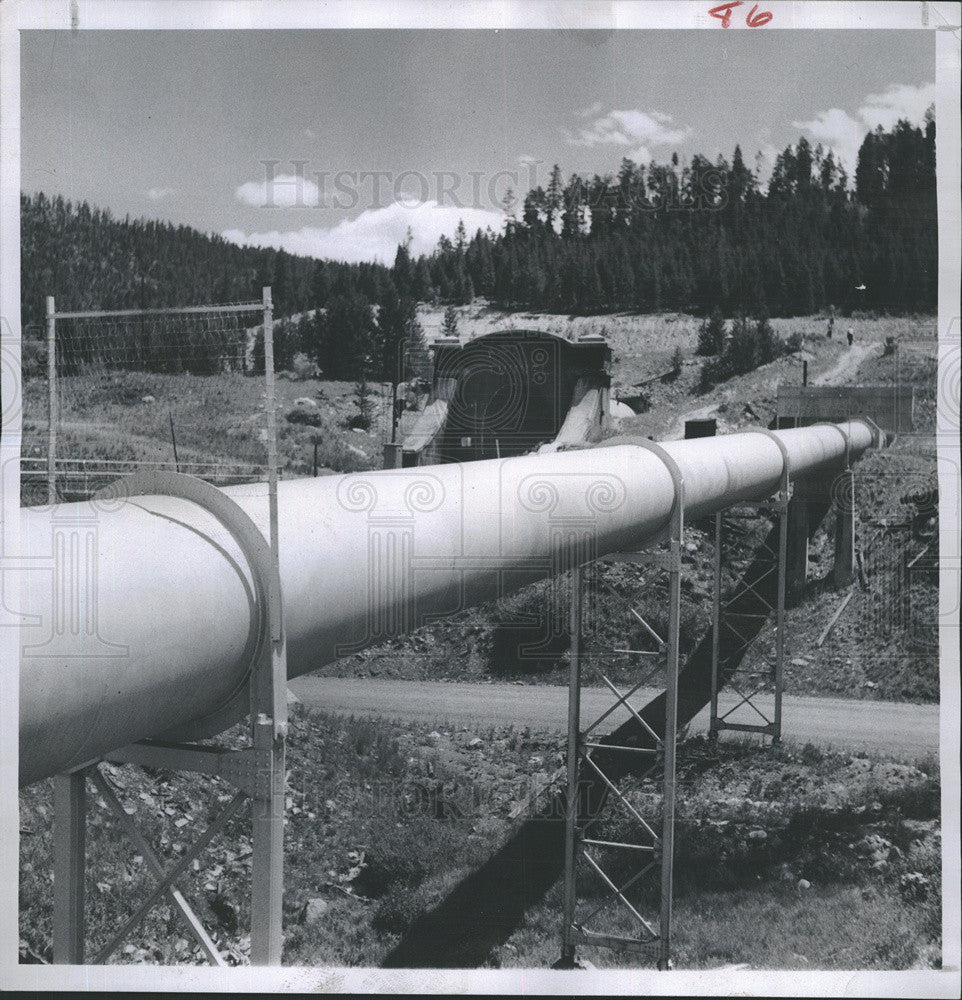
(314, 910)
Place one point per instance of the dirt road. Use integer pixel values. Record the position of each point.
(898, 730)
(843, 371)
(847, 365)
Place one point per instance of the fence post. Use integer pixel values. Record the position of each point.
(269, 720)
(571, 800)
(69, 858)
(51, 401)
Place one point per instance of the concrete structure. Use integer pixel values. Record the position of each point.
(509, 393)
(889, 406)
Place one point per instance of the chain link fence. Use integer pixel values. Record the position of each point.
(131, 390)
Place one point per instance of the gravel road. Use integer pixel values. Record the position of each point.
(899, 730)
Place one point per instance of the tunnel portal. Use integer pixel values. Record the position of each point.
(505, 394)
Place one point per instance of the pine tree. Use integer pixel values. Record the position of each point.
(739, 354)
(463, 286)
(554, 200)
(402, 271)
(362, 398)
(740, 180)
(449, 326)
(345, 338)
(398, 335)
(871, 169)
(534, 208)
(711, 334)
(677, 360)
(766, 343)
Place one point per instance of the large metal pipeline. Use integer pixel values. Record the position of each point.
(141, 617)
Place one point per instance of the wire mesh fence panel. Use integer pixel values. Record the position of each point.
(188, 390)
(901, 573)
(178, 390)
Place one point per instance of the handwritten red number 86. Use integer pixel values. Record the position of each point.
(724, 14)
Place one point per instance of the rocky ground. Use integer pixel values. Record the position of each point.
(386, 821)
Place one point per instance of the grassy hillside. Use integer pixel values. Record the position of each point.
(218, 418)
(219, 423)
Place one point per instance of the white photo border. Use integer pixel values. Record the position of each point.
(943, 19)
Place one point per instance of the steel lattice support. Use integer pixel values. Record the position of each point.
(69, 856)
(733, 631)
(655, 847)
(258, 771)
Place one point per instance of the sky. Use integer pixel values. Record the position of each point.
(335, 143)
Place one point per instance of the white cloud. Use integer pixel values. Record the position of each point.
(285, 191)
(630, 127)
(899, 101)
(591, 111)
(838, 130)
(844, 134)
(375, 233)
(641, 154)
(158, 194)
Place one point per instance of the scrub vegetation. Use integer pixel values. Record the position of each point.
(786, 857)
(219, 419)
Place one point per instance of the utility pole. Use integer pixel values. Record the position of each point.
(393, 412)
(173, 439)
(51, 400)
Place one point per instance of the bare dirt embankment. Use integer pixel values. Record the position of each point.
(643, 347)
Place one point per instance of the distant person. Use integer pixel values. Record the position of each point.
(850, 334)
(831, 325)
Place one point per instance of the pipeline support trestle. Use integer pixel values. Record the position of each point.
(258, 771)
(726, 617)
(655, 850)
